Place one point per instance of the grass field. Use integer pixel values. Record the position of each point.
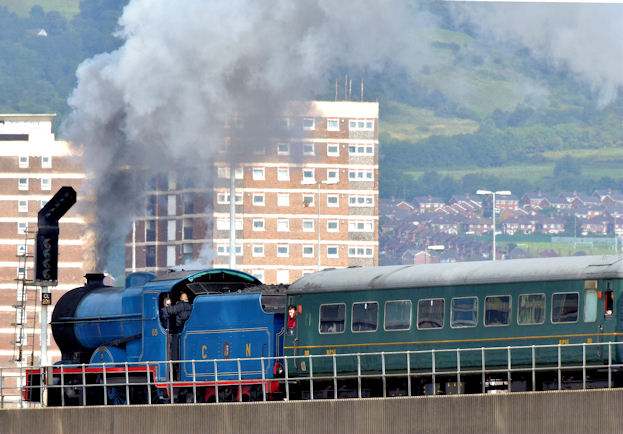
(67, 8)
(597, 163)
(563, 249)
(405, 122)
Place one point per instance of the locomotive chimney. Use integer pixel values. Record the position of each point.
(94, 279)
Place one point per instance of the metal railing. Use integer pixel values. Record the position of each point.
(331, 376)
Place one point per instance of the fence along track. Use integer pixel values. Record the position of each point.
(498, 369)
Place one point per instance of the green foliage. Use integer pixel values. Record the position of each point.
(37, 72)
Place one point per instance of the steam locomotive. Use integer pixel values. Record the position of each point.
(386, 325)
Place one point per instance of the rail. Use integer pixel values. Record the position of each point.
(330, 376)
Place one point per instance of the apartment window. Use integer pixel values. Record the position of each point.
(21, 250)
(360, 252)
(283, 148)
(283, 276)
(258, 174)
(43, 203)
(222, 224)
(46, 184)
(23, 162)
(360, 200)
(333, 150)
(171, 232)
(361, 149)
(187, 250)
(150, 256)
(333, 124)
(223, 250)
(308, 251)
(308, 225)
(22, 206)
(283, 250)
(361, 175)
(258, 224)
(258, 250)
(283, 225)
(150, 230)
(332, 226)
(333, 176)
(308, 200)
(223, 198)
(361, 124)
(360, 226)
(224, 172)
(283, 174)
(283, 199)
(187, 229)
(259, 274)
(309, 123)
(308, 149)
(258, 199)
(308, 176)
(22, 227)
(332, 252)
(22, 184)
(284, 123)
(333, 200)
(46, 162)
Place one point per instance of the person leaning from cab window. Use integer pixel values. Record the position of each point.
(181, 311)
(291, 319)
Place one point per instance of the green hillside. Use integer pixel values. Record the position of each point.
(67, 8)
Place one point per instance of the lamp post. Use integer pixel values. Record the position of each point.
(493, 193)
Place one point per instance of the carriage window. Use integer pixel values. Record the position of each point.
(590, 306)
(464, 312)
(609, 304)
(565, 307)
(332, 318)
(430, 313)
(398, 315)
(497, 310)
(531, 309)
(365, 317)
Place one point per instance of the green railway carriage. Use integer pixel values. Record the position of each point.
(468, 305)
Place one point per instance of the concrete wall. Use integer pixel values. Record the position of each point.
(596, 411)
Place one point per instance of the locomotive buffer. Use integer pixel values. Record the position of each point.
(46, 254)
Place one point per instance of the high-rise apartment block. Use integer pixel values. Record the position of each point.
(33, 166)
(305, 200)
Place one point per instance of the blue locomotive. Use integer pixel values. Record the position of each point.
(239, 342)
(107, 334)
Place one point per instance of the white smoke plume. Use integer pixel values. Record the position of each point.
(161, 101)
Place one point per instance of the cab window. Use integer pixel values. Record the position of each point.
(497, 310)
(430, 313)
(365, 317)
(464, 312)
(332, 318)
(531, 309)
(565, 307)
(398, 315)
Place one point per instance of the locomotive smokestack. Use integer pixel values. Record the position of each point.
(94, 279)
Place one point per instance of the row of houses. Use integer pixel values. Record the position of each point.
(409, 229)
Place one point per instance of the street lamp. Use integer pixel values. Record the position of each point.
(493, 193)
